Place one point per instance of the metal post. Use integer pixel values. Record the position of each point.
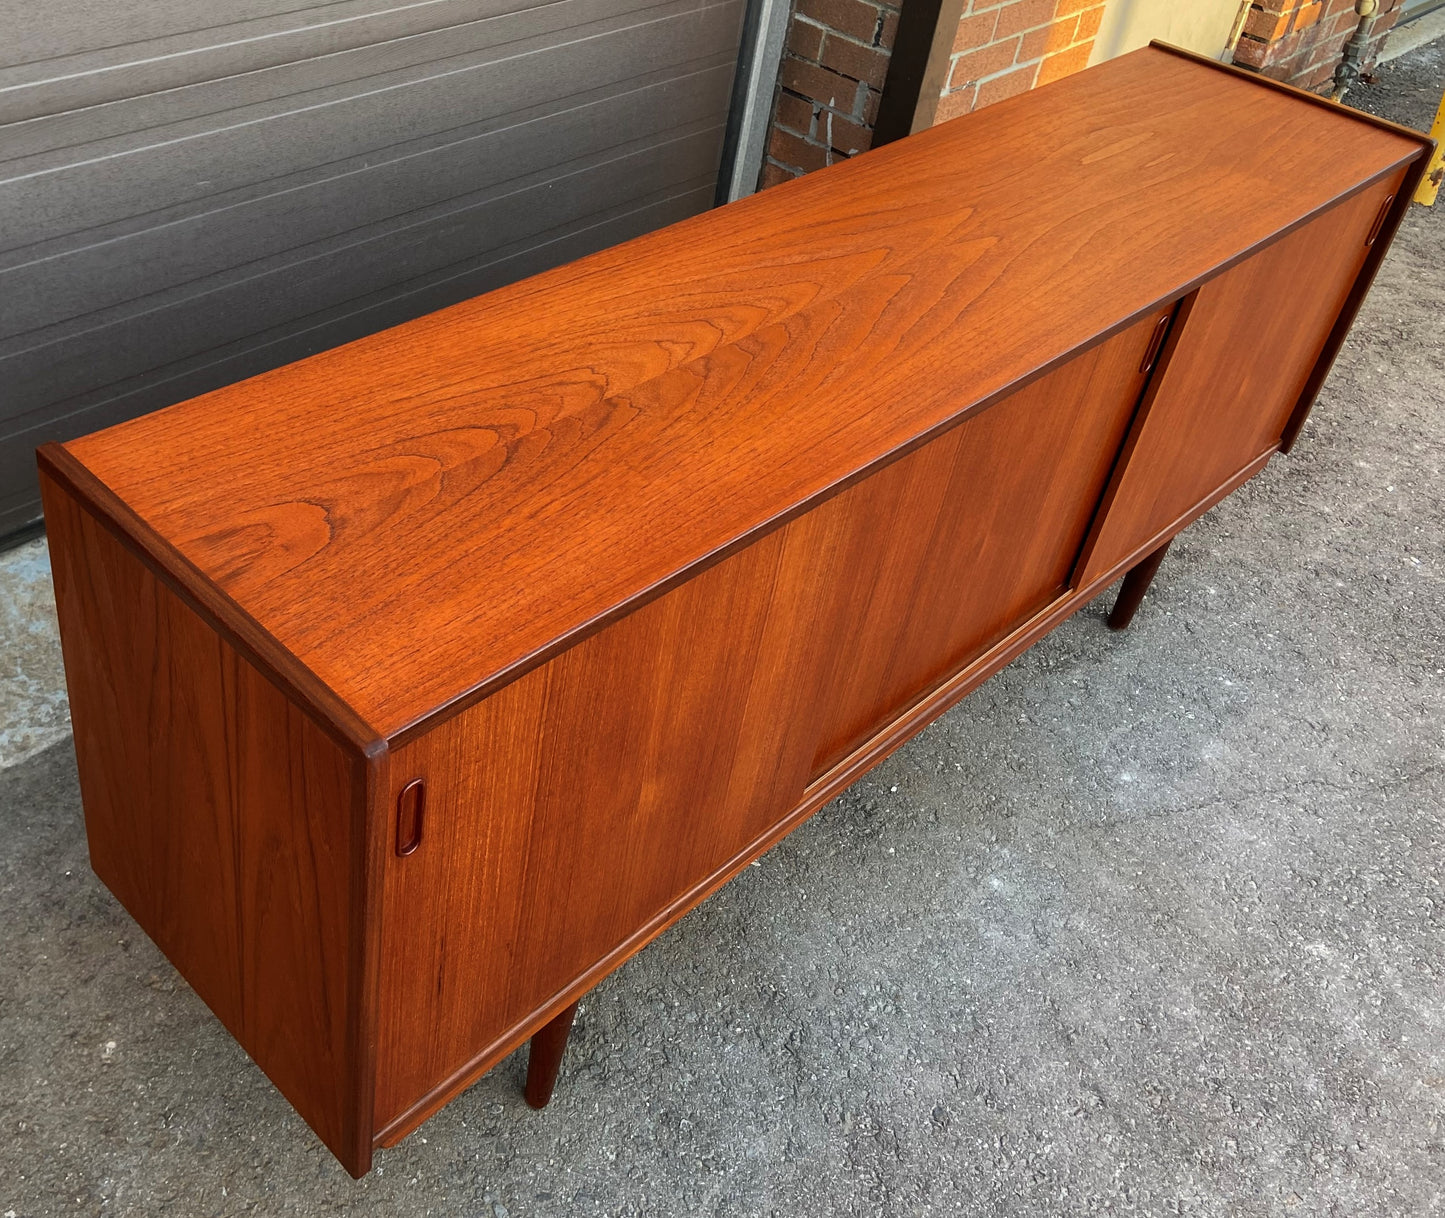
(1430, 184)
(1351, 61)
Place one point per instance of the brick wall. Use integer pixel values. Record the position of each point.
(836, 61)
(1301, 40)
(829, 84)
(1003, 48)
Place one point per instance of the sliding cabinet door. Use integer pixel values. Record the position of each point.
(1243, 349)
(951, 548)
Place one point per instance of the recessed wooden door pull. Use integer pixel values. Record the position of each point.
(1156, 342)
(410, 808)
(1380, 220)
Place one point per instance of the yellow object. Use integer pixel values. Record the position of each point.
(1430, 184)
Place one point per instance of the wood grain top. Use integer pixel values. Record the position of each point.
(423, 514)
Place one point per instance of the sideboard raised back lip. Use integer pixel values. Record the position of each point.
(405, 713)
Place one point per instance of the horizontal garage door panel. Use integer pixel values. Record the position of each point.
(38, 290)
(94, 184)
(82, 52)
(157, 244)
(183, 322)
(38, 33)
(281, 345)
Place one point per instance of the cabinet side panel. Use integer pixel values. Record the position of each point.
(1245, 351)
(219, 814)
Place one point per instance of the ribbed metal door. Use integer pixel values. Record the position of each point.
(193, 191)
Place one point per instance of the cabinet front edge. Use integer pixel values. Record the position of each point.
(217, 609)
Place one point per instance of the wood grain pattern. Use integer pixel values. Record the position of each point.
(571, 807)
(637, 564)
(429, 511)
(1238, 365)
(948, 550)
(222, 817)
(179, 210)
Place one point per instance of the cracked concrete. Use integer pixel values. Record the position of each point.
(1151, 923)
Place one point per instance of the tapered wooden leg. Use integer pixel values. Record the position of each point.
(1136, 583)
(544, 1057)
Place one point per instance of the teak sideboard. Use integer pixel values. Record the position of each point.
(418, 684)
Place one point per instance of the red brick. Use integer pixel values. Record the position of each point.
(1050, 38)
(1067, 8)
(861, 63)
(973, 67)
(1089, 21)
(1334, 47)
(1251, 52)
(1324, 52)
(794, 113)
(974, 31)
(805, 40)
(954, 104)
(794, 151)
(889, 30)
(1345, 23)
(871, 98)
(819, 84)
(1020, 80)
(1023, 15)
(1307, 16)
(852, 17)
(1065, 63)
(843, 134)
(1267, 24)
(775, 175)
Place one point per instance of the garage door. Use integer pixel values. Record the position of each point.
(194, 191)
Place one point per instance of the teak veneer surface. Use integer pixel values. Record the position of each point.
(222, 817)
(1247, 344)
(574, 806)
(429, 511)
(418, 685)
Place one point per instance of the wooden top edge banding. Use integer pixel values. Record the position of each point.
(219, 611)
(416, 517)
(1259, 78)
